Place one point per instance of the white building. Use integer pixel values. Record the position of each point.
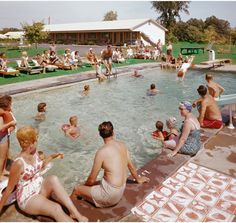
(116, 32)
(14, 35)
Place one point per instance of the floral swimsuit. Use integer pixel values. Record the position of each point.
(30, 181)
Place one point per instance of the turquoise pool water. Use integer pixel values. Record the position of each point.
(123, 101)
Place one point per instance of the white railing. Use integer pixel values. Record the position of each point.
(229, 100)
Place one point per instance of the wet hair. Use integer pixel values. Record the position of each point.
(41, 106)
(159, 125)
(208, 76)
(72, 119)
(105, 129)
(152, 86)
(202, 90)
(27, 135)
(86, 87)
(5, 101)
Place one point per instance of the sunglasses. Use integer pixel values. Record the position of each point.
(181, 108)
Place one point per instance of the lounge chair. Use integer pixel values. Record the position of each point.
(48, 68)
(9, 72)
(30, 69)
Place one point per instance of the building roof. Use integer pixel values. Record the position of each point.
(129, 24)
(14, 35)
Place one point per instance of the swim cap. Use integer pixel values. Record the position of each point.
(171, 120)
(187, 105)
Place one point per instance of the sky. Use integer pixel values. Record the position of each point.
(14, 13)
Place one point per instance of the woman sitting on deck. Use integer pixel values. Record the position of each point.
(189, 141)
(32, 190)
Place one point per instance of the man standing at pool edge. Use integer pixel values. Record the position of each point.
(114, 158)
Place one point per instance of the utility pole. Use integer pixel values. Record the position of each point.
(49, 20)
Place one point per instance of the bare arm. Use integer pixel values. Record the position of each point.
(14, 177)
(51, 157)
(183, 138)
(202, 113)
(221, 89)
(97, 165)
(8, 125)
(196, 102)
(133, 171)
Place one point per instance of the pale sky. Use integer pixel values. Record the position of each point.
(13, 13)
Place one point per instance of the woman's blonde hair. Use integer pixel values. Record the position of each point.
(27, 135)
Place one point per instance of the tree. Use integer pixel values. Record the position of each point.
(11, 29)
(110, 16)
(170, 11)
(34, 33)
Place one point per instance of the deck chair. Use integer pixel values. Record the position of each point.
(30, 69)
(9, 72)
(47, 68)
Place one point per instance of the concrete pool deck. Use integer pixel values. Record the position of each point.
(212, 165)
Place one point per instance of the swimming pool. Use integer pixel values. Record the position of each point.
(123, 101)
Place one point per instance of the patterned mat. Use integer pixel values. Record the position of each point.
(193, 194)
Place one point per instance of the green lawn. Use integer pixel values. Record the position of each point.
(26, 77)
(204, 56)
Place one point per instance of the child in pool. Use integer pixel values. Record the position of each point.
(71, 130)
(159, 134)
(41, 112)
(173, 136)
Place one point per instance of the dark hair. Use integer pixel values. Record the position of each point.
(208, 76)
(202, 90)
(105, 129)
(153, 86)
(41, 106)
(5, 101)
(159, 125)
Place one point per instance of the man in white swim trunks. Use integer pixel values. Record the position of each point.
(114, 158)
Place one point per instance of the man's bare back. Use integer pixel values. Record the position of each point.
(210, 109)
(215, 90)
(115, 161)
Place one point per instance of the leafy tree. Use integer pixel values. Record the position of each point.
(221, 26)
(11, 29)
(110, 16)
(233, 36)
(34, 33)
(170, 11)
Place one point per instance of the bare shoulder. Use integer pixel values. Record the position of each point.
(17, 165)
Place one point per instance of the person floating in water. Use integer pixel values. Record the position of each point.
(152, 90)
(184, 67)
(41, 115)
(114, 158)
(71, 130)
(136, 74)
(32, 190)
(86, 90)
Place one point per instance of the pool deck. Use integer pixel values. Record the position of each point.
(183, 188)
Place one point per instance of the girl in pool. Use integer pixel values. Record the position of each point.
(32, 190)
(71, 130)
(172, 138)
